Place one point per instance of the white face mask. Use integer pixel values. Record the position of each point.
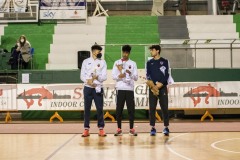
(22, 40)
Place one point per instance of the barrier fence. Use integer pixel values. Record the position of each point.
(63, 10)
(69, 97)
(15, 11)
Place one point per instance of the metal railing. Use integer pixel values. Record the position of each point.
(212, 46)
(190, 53)
(31, 14)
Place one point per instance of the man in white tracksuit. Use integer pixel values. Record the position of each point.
(93, 74)
(125, 72)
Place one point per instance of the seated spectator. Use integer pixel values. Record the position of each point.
(20, 53)
(225, 6)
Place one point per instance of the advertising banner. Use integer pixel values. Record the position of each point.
(192, 95)
(63, 14)
(32, 96)
(7, 97)
(229, 95)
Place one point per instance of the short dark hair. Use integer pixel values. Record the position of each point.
(156, 47)
(97, 47)
(126, 48)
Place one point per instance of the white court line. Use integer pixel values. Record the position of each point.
(60, 147)
(213, 145)
(174, 152)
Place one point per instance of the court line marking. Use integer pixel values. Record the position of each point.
(60, 147)
(174, 152)
(214, 145)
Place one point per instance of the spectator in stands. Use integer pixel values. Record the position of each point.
(20, 53)
(93, 73)
(158, 78)
(125, 72)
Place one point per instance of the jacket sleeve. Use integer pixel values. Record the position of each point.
(83, 70)
(103, 75)
(115, 72)
(148, 71)
(134, 76)
(28, 47)
(170, 78)
(164, 80)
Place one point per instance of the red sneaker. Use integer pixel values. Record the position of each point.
(132, 132)
(119, 132)
(102, 133)
(86, 133)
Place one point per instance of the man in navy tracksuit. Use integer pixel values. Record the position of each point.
(157, 75)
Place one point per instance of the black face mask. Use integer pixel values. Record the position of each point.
(99, 55)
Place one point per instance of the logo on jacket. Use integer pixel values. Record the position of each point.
(162, 69)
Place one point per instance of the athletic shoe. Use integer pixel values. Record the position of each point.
(132, 132)
(102, 133)
(119, 132)
(86, 133)
(166, 131)
(153, 132)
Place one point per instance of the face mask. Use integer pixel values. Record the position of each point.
(99, 55)
(22, 40)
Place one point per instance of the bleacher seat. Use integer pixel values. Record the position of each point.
(71, 38)
(212, 30)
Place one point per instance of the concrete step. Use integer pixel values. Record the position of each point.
(209, 19)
